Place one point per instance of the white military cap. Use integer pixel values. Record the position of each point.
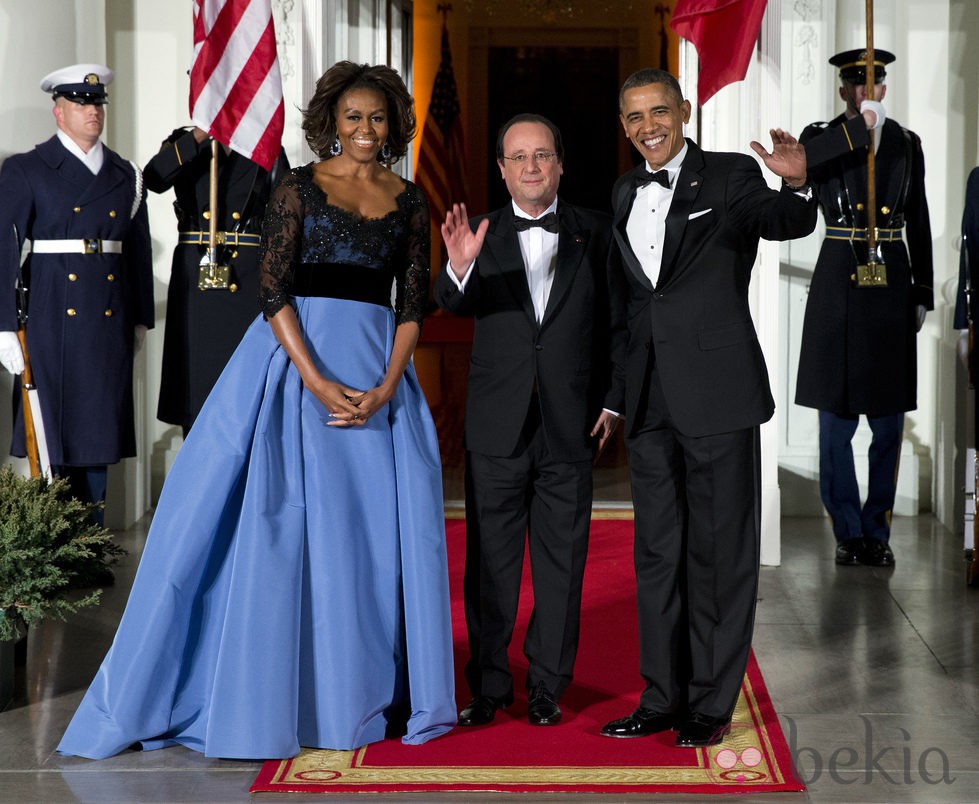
(81, 83)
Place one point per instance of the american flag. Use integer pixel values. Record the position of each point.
(235, 85)
(442, 153)
(724, 33)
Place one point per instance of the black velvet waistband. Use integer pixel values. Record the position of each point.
(339, 281)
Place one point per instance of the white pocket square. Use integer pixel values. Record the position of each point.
(698, 214)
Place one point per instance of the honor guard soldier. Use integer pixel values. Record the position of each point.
(207, 312)
(89, 276)
(858, 354)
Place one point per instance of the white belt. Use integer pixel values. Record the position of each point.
(87, 246)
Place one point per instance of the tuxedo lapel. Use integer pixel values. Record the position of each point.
(623, 206)
(688, 184)
(505, 254)
(571, 246)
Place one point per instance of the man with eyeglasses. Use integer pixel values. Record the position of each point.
(533, 275)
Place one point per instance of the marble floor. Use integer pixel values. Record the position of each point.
(873, 673)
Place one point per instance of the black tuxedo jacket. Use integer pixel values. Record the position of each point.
(566, 357)
(695, 323)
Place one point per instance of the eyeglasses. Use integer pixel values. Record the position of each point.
(544, 157)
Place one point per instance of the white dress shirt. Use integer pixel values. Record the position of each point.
(92, 160)
(646, 227)
(539, 250)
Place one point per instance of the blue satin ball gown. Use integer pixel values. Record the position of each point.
(293, 590)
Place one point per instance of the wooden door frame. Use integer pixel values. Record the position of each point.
(482, 38)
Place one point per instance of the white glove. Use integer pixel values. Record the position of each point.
(962, 348)
(11, 355)
(139, 336)
(876, 108)
(922, 312)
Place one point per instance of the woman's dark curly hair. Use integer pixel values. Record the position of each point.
(319, 118)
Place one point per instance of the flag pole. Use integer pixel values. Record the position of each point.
(212, 235)
(871, 79)
(874, 273)
(213, 276)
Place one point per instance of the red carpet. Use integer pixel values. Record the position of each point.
(512, 756)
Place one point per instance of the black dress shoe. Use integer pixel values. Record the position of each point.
(876, 553)
(848, 552)
(699, 731)
(482, 709)
(543, 709)
(640, 723)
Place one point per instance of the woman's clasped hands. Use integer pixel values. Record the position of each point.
(349, 407)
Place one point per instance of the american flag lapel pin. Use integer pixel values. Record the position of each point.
(694, 183)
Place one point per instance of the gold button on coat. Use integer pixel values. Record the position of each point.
(207, 215)
(72, 277)
(71, 311)
(860, 207)
(233, 287)
(112, 213)
(77, 209)
(236, 215)
(886, 210)
(111, 277)
(108, 313)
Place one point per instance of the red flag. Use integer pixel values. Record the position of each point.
(724, 33)
(442, 153)
(235, 85)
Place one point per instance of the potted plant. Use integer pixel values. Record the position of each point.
(50, 547)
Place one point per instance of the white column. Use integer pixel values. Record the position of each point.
(736, 115)
(808, 40)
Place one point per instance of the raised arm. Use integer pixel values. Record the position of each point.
(461, 243)
(786, 159)
(176, 153)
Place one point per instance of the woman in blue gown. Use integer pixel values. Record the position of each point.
(293, 590)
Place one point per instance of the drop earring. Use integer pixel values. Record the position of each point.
(386, 153)
(335, 148)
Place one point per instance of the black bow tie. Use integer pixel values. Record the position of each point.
(548, 222)
(660, 176)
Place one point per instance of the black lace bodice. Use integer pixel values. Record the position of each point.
(301, 226)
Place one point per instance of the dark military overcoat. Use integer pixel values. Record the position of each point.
(82, 308)
(204, 327)
(858, 351)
